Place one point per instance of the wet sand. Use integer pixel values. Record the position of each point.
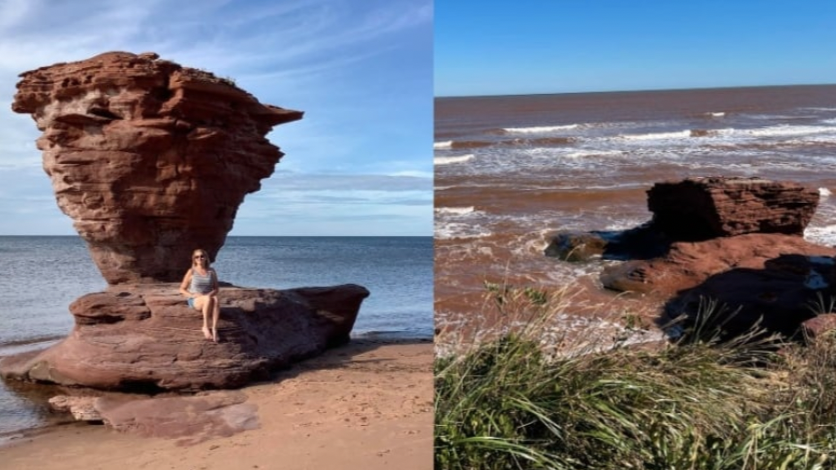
(365, 405)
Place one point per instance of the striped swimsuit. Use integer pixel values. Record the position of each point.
(201, 284)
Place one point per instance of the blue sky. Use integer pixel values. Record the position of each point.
(359, 163)
(491, 47)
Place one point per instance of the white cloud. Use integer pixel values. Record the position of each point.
(365, 139)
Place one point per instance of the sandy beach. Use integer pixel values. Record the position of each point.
(364, 405)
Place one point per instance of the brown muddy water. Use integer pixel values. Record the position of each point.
(511, 169)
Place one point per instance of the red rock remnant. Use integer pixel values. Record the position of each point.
(702, 208)
(144, 339)
(717, 224)
(689, 264)
(150, 159)
(822, 324)
(189, 419)
(731, 247)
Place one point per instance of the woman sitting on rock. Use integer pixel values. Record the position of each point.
(200, 286)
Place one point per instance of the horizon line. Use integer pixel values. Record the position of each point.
(229, 236)
(641, 90)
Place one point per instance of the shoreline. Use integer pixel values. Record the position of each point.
(34, 396)
(367, 404)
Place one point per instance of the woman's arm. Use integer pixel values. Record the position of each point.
(215, 287)
(184, 286)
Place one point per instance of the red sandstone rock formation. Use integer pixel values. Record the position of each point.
(777, 298)
(689, 264)
(150, 159)
(731, 245)
(144, 338)
(818, 326)
(703, 208)
(189, 419)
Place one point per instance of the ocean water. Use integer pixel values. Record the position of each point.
(509, 170)
(41, 276)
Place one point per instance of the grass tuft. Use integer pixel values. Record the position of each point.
(749, 403)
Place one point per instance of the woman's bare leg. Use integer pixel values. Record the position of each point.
(216, 313)
(202, 303)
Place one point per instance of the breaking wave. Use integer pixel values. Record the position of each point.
(450, 160)
(442, 145)
(539, 129)
(454, 210)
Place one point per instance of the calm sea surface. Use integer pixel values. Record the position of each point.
(41, 276)
(511, 169)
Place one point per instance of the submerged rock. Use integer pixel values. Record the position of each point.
(576, 246)
(637, 243)
(143, 338)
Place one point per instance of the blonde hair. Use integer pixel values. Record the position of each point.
(200, 251)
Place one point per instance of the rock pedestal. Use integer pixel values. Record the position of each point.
(144, 338)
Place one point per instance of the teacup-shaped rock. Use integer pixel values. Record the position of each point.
(150, 159)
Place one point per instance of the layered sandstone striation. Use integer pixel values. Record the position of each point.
(151, 161)
(703, 208)
(149, 158)
(143, 338)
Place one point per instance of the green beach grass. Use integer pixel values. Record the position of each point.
(753, 403)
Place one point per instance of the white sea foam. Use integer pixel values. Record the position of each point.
(456, 230)
(825, 235)
(658, 135)
(785, 130)
(824, 192)
(725, 132)
(770, 117)
(449, 160)
(815, 133)
(716, 114)
(748, 169)
(592, 153)
(814, 140)
(539, 152)
(443, 145)
(454, 210)
(625, 224)
(540, 129)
